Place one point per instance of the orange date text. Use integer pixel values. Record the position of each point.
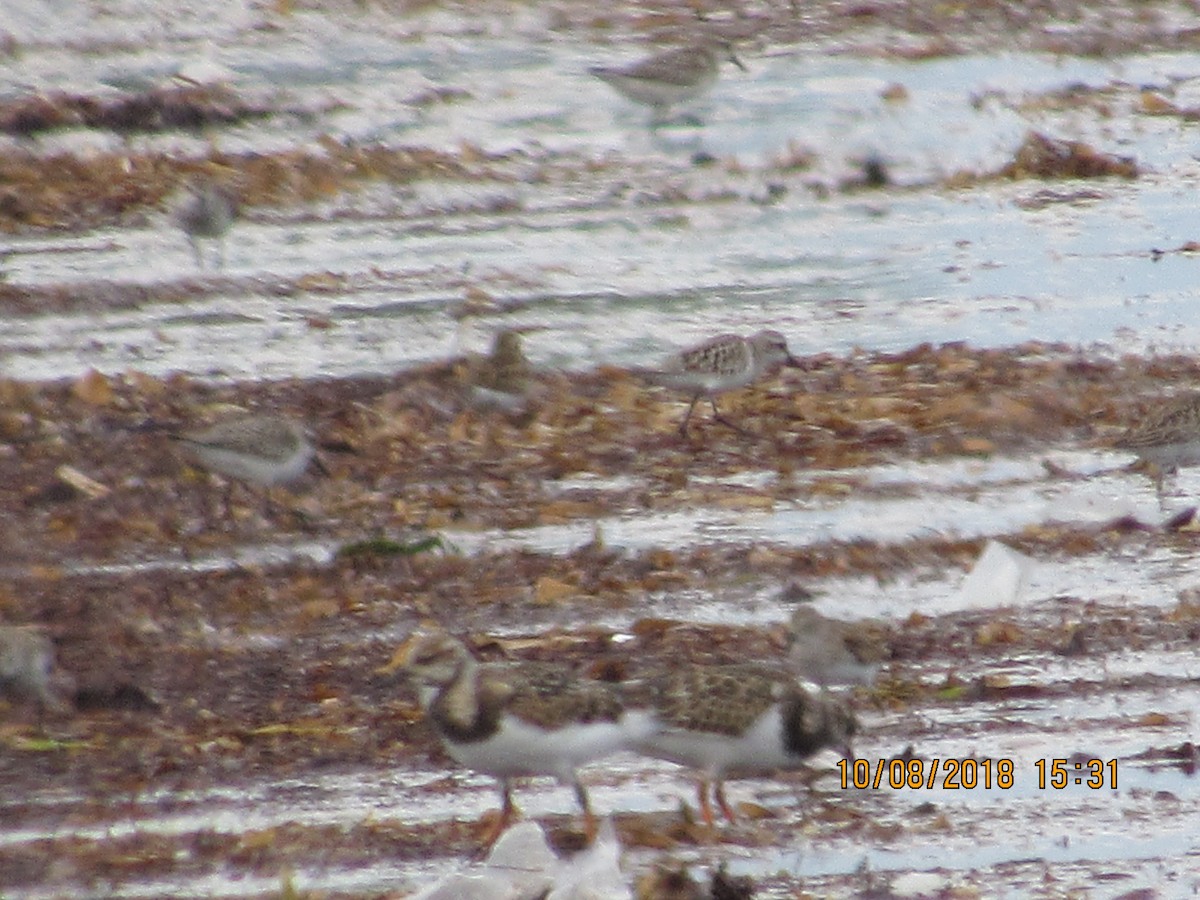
(948, 774)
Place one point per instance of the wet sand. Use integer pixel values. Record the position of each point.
(229, 735)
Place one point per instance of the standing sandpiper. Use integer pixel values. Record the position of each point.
(832, 652)
(259, 448)
(515, 719)
(671, 77)
(721, 364)
(1166, 439)
(207, 214)
(27, 669)
(740, 719)
(501, 379)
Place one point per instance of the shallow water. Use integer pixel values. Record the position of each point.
(629, 250)
(601, 264)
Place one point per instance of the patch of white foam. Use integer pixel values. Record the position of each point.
(998, 578)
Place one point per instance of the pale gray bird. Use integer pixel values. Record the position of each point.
(27, 667)
(721, 364)
(672, 77)
(1167, 438)
(832, 652)
(207, 213)
(259, 448)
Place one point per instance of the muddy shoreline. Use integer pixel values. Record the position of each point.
(190, 680)
(228, 734)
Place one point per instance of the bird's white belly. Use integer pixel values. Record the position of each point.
(653, 92)
(521, 749)
(759, 748)
(252, 468)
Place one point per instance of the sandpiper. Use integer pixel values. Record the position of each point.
(672, 77)
(510, 720)
(27, 669)
(501, 379)
(832, 652)
(505, 368)
(207, 213)
(1166, 439)
(721, 364)
(744, 719)
(260, 448)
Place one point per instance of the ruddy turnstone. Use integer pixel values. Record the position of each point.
(721, 364)
(832, 652)
(207, 213)
(260, 448)
(740, 719)
(672, 77)
(1167, 439)
(510, 720)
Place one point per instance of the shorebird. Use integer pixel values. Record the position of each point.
(516, 719)
(1167, 439)
(207, 213)
(832, 652)
(27, 669)
(721, 364)
(747, 719)
(501, 380)
(259, 448)
(672, 77)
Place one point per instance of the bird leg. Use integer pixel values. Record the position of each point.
(717, 417)
(719, 793)
(590, 826)
(196, 252)
(687, 418)
(227, 498)
(706, 812)
(508, 812)
(270, 507)
(1159, 474)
